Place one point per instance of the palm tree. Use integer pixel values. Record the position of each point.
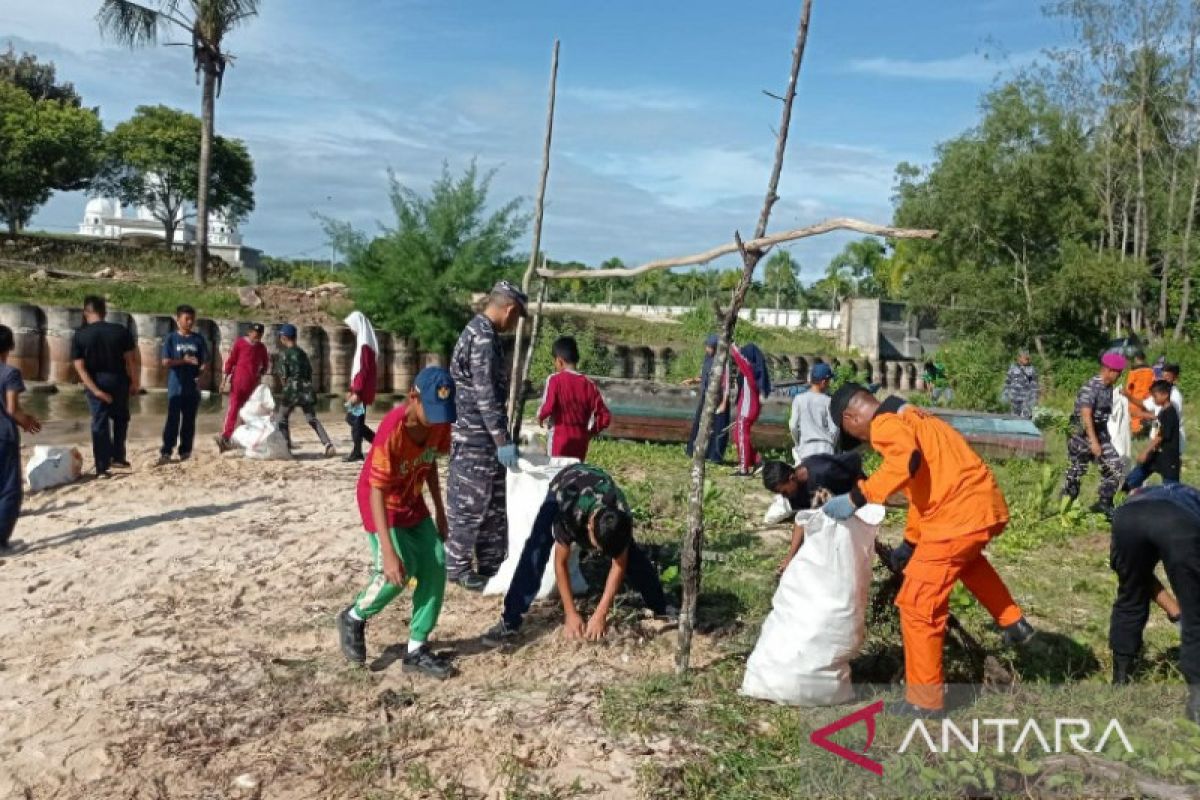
(207, 22)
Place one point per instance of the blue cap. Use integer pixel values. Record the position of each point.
(711, 341)
(287, 329)
(820, 372)
(436, 388)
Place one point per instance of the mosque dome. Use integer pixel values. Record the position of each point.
(101, 208)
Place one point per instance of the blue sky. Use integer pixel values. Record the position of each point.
(663, 137)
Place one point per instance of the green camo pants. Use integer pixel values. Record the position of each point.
(420, 549)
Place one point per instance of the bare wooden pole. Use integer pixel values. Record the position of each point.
(516, 385)
(693, 537)
(535, 329)
(762, 243)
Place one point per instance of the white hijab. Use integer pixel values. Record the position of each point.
(365, 334)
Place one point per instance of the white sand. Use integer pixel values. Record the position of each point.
(169, 633)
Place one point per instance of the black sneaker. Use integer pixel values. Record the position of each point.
(122, 464)
(500, 635)
(470, 581)
(1018, 633)
(352, 635)
(903, 708)
(12, 547)
(352, 457)
(1103, 509)
(429, 663)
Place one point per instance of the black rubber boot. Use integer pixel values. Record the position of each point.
(1123, 669)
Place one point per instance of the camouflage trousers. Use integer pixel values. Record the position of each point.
(475, 510)
(1112, 468)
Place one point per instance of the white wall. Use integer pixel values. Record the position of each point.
(783, 318)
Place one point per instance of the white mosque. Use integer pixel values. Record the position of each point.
(104, 218)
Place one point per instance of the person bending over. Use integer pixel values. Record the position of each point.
(809, 484)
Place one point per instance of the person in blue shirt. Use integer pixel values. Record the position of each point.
(185, 355)
(1158, 523)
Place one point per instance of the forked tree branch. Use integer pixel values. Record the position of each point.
(761, 244)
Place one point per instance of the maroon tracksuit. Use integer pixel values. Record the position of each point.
(246, 365)
(577, 411)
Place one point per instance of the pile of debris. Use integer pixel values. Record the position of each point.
(320, 305)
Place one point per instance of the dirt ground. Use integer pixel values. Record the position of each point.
(169, 634)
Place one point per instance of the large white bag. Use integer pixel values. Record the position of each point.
(258, 435)
(52, 466)
(527, 487)
(1120, 427)
(817, 615)
(779, 511)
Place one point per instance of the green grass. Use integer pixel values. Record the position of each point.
(159, 295)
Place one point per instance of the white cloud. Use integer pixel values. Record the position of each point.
(970, 67)
(643, 98)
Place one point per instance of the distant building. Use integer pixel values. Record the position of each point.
(104, 218)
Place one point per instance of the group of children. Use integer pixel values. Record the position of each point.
(583, 507)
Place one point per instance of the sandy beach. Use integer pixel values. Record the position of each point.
(169, 633)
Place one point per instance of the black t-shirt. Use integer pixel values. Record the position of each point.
(102, 346)
(837, 473)
(1167, 454)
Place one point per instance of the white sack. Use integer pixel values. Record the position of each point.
(779, 511)
(815, 627)
(258, 435)
(52, 466)
(1119, 427)
(527, 487)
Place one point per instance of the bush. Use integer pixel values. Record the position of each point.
(593, 359)
(975, 368)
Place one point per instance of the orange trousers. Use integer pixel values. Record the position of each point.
(924, 603)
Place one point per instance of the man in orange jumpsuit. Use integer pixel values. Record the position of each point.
(955, 508)
(1137, 389)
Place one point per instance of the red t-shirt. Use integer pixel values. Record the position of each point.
(577, 410)
(400, 467)
(248, 361)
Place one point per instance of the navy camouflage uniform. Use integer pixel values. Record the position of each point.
(1021, 389)
(475, 489)
(1098, 397)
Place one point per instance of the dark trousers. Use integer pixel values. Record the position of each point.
(181, 423)
(1144, 533)
(718, 438)
(476, 510)
(359, 431)
(11, 486)
(110, 421)
(283, 414)
(1142, 472)
(640, 573)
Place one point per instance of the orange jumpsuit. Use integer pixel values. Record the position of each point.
(1138, 387)
(955, 509)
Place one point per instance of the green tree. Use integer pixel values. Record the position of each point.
(863, 266)
(39, 80)
(45, 146)
(151, 162)
(782, 277)
(206, 23)
(417, 279)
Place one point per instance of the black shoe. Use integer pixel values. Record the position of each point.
(1103, 509)
(669, 613)
(12, 547)
(122, 464)
(470, 581)
(500, 635)
(355, 456)
(1018, 633)
(1193, 705)
(223, 444)
(1122, 670)
(903, 708)
(427, 662)
(352, 635)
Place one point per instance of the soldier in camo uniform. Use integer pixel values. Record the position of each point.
(295, 374)
(1021, 386)
(481, 448)
(1089, 439)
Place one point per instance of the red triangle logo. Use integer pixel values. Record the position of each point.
(820, 737)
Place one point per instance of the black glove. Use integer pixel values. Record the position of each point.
(901, 555)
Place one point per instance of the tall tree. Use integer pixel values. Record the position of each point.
(39, 80)
(151, 162)
(206, 23)
(782, 276)
(45, 146)
(416, 279)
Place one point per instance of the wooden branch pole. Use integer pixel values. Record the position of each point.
(517, 386)
(762, 242)
(534, 329)
(693, 537)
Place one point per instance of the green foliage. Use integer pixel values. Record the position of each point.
(36, 79)
(975, 368)
(151, 161)
(782, 278)
(45, 146)
(416, 279)
(297, 274)
(593, 359)
(156, 294)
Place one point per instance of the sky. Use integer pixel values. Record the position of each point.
(663, 137)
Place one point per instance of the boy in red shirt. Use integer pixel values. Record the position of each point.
(572, 403)
(402, 461)
(248, 361)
